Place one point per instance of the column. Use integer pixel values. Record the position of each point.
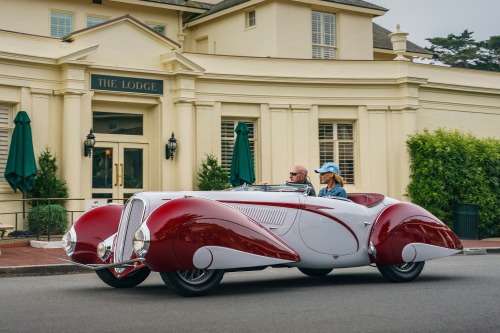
(378, 176)
(279, 142)
(40, 118)
(301, 135)
(185, 156)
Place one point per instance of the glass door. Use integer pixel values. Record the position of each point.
(118, 169)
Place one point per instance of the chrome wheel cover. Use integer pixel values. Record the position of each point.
(406, 267)
(195, 276)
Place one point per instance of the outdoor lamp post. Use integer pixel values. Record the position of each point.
(89, 144)
(170, 147)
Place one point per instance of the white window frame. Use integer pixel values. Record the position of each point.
(324, 35)
(158, 27)
(95, 20)
(61, 24)
(228, 138)
(338, 148)
(250, 19)
(6, 128)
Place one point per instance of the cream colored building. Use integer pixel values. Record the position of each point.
(314, 79)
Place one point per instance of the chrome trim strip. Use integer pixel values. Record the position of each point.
(95, 267)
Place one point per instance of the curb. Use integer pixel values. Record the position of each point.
(46, 245)
(14, 271)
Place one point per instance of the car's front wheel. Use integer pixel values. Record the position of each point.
(402, 272)
(315, 271)
(196, 282)
(129, 281)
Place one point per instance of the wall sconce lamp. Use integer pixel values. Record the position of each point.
(170, 147)
(88, 144)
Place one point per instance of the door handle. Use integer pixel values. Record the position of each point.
(121, 179)
(117, 176)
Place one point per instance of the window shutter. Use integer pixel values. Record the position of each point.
(4, 139)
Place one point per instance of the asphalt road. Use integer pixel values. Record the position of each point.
(454, 294)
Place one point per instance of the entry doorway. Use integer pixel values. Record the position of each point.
(119, 169)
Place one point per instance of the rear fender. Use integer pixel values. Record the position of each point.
(405, 232)
(93, 227)
(190, 233)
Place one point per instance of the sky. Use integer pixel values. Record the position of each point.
(438, 18)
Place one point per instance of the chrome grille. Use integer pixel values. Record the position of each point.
(130, 221)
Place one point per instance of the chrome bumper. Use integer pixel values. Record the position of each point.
(95, 267)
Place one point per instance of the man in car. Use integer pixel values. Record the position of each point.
(298, 175)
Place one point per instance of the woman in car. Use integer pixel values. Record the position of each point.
(329, 174)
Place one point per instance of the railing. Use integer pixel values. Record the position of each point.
(16, 212)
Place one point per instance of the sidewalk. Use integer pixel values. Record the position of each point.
(20, 258)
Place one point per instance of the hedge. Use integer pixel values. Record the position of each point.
(449, 167)
(45, 219)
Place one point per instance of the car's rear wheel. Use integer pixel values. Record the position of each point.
(315, 271)
(402, 272)
(196, 282)
(129, 281)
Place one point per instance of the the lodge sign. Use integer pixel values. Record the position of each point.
(126, 84)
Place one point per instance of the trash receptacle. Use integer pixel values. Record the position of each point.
(465, 220)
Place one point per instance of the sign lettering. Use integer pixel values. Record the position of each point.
(126, 84)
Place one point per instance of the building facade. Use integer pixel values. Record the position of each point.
(315, 80)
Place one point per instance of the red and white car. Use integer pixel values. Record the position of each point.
(193, 238)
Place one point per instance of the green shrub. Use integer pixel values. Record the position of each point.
(47, 219)
(449, 168)
(47, 183)
(212, 176)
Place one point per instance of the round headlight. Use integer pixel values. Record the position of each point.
(101, 250)
(68, 242)
(141, 243)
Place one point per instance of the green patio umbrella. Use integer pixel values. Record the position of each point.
(20, 170)
(242, 171)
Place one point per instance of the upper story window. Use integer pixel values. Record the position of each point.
(337, 144)
(94, 20)
(5, 134)
(324, 35)
(228, 138)
(61, 24)
(161, 29)
(250, 19)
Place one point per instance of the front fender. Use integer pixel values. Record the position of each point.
(92, 228)
(190, 233)
(405, 232)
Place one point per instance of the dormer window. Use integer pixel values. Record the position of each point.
(250, 19)
(324, 35)
(95, 20)
(61, 24)
(159, 28)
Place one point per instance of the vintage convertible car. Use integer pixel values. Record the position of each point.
(193, 238)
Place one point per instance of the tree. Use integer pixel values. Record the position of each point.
(212, 176)
(47, 183)
(463, 51)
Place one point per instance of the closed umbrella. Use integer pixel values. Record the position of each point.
(20, 171)
(242, 171)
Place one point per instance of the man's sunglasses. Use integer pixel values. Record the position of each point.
(293, 173)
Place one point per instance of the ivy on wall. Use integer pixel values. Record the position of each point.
(449, 167)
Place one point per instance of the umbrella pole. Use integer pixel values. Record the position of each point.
(24, 211)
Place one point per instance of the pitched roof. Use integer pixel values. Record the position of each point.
(184, 3)
(225, 4)
(381, 40)
(69, 37)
